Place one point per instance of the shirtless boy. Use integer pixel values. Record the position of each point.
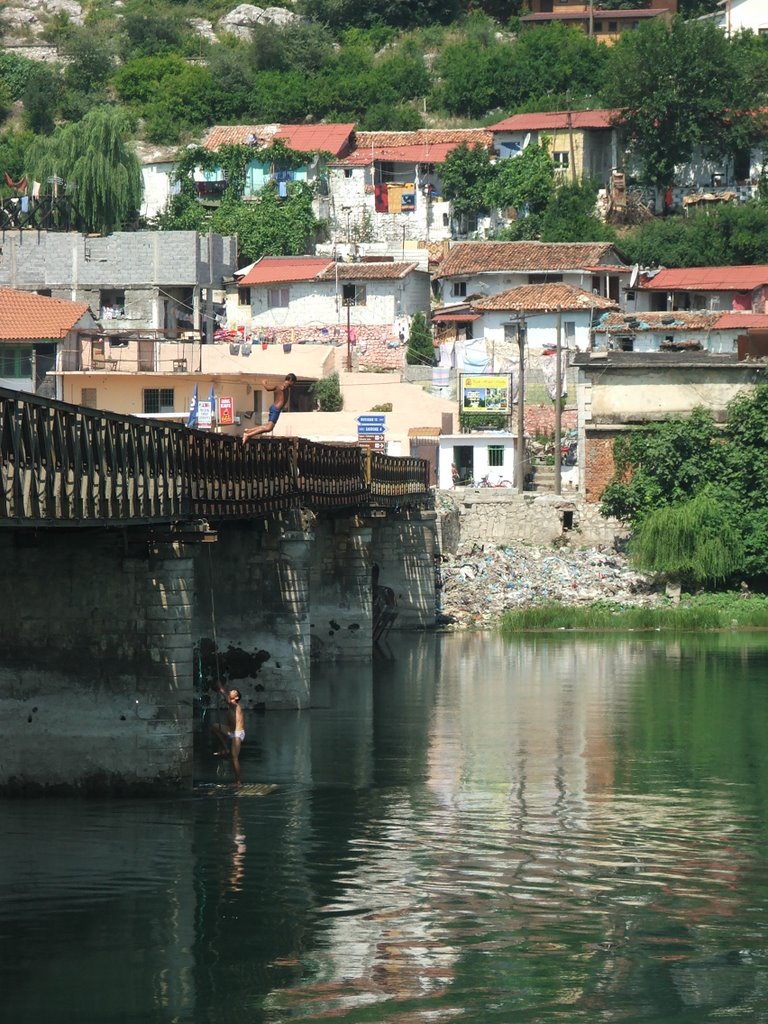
(231, 737)
(282, 392)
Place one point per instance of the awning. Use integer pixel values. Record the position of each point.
(455, 318)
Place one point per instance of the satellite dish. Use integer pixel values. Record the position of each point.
(633, 277)
(527, 140)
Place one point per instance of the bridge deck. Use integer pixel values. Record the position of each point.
(66, 465)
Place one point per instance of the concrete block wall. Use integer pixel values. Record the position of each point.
(405, 548)
(341, 591)
(96, 662)
(251, 621)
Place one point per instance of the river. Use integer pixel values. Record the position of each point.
(552, 829)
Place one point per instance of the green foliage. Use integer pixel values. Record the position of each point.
(570, 216)
(697, 612)
(90, 60)
(693, 541)
(150, 33)
(420, 351)
(466, 175)
(557, 63)
(341, 14)
(270, 225)
(526, 181)
(327, 393)
(483, 420)
(39, 110)
(683, 86)
(15, 73)
(99, 168)
(384, 407)
(728, 236)
(667, 465)
(383, 117)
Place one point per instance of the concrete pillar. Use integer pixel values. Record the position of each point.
(252, 613)
(340, 588)
(96, 664)
(404, 546)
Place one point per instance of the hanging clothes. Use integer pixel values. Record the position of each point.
(381, 199)
(394, 198)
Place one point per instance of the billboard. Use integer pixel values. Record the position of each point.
(485, 392)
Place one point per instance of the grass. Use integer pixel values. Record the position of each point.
(696, 613)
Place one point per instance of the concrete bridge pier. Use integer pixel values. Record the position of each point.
(252, 612)
(405, 548)
(340, 589)
(96, 663)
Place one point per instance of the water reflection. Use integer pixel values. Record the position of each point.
(550, 829)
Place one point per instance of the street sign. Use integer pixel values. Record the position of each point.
(365, 421)
(372, 429)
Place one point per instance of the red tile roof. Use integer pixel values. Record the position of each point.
(304, 138)
(557, 120)
(707, 279)
(742, 321)
(25, 316)
(544, 298)
(426, 146)
(282, 269)
(466, 258)
(366, 271)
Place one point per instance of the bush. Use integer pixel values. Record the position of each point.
(421, 351)
(327, 393)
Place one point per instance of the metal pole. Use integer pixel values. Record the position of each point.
(520, 455)
(558, 407)
(349, 340)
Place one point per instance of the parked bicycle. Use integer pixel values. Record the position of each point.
(486, 481)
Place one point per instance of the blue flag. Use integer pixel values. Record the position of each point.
(212, 400)
(192, 418)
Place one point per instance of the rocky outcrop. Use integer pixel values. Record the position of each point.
(243, 19)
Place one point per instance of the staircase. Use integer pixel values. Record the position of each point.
(543, 479)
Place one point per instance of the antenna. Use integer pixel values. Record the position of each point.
(634, 276)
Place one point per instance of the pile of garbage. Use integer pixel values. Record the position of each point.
(480, 582)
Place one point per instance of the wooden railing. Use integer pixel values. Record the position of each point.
(68, 465)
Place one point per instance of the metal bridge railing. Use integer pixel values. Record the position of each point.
(62, 464)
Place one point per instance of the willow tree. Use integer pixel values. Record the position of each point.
(95, 164)
(693, 541)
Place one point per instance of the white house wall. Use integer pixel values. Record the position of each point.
(157, 189)
(541, 331)
(718, 342)
(488, 284)
(480, 467)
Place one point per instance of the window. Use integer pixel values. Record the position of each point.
(459, 289)
(278, 298)
(353, 295)
(626, 344)
(569, 333)
(243, 296)
(347, 172)
(545, 278)
(158, 400)
(613, 26)
(111, 304)
(562, 160)
(88, 398)
(15, 362)
(495, 455)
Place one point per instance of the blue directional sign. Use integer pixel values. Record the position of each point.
(372, 429)
(370, 421)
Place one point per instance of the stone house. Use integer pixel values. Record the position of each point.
(582, 143)
(366, 307)
(482, 269)
(683, 331)
(34, 332)
(605, 25)
(387, 190)
(132, 280)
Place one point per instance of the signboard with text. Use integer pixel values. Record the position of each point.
(371, 430)
(486, 392)
(204, 415)
(226, 411)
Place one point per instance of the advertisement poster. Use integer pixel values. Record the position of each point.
(226, 411)
(488, 392)
(205, 415)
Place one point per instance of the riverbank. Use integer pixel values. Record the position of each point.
(480, 582)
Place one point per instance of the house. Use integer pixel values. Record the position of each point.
(582, 143)
(132, 280)
(740, 15)
(366, 307)
(34, 330)
(157, 164)
(604, 25)
(473, 269)
(743, 289)
(388, 189)
(683, 331)
(618, 391)
(320, 142)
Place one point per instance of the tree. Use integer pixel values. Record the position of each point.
(97, 164)
(730, 235)
(421, 350)
(327, 393)
(39, 109)
(570, 216)
(681, 87)
(466, 175)
(524, 182)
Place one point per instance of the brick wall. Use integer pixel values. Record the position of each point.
(598, 463)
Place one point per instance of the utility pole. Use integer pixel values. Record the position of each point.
(348, 304)
(520, 454)
(558, 406)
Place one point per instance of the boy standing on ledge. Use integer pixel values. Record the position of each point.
(231, 738)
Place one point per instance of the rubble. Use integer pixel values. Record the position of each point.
(480, 582)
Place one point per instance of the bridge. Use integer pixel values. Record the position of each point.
(64, 465)
(120, 615)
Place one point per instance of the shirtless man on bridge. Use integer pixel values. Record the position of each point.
(282, 392)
